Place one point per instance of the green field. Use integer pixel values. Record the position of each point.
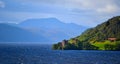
(101, 45)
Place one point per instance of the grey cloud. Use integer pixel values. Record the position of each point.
(76, 11)
(109, 6)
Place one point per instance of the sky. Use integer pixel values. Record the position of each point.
(82, 12)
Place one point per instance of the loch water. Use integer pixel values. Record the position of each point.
(43, 54)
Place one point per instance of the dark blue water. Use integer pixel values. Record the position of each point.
(42, 54)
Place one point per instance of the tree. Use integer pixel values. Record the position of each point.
(79, 45)
(88, 46)
(70, 46)
(109, 46)
(57, 46)
(117, 45)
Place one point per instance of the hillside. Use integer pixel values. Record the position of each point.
(108, 29)
(105, 36)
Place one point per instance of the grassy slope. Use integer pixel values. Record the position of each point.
(101, 44)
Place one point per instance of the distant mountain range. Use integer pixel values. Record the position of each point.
(39, 30)
(9, 33)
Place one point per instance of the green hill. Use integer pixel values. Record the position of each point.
(108, 29)
(105, 36)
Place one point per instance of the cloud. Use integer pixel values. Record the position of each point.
(82, 12)
(21, 16)
(99, 6)
(2, 4)
(108, 9)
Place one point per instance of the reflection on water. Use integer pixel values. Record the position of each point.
(42, 54)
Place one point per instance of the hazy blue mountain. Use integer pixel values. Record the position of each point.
(52, 28)
(39, 30)
(9, 33)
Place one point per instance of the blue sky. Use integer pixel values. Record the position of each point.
(82, 12)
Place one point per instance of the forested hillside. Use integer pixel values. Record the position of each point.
(108, 29)
(105, 36)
